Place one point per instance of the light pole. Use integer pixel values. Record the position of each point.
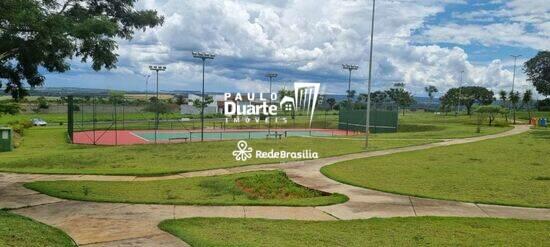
(203, 56)
(370, 77)
(513, 83)
(157, 68)
(349, 67)
(270, 76)
(146, 86)
(459, 92)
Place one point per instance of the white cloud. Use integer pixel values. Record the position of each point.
(308, 40)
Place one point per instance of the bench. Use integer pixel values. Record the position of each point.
(275, 134)
(178, 138)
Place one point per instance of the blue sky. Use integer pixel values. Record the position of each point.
(421, 43)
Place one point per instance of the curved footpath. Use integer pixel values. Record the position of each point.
(115, 224)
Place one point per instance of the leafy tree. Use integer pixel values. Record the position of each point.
(160, 107)
(538, 72)
(543, 105)
(47, 33)
(116, 97)
(331, 102)
(401, 97)
(468, 97)
(198, 103)
(526, 101)
(491, 111)
(180, 100)
(10, 108)
(431, 90)
(42, 103)
(514, 100)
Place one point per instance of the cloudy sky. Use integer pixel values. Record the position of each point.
(418, 42)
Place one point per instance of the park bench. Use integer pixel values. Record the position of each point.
(178, 138)
(274, 134)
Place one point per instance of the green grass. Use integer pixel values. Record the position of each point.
(16, 230)
(252, 188)
(45, 150)
(509, 171)
(417, 231)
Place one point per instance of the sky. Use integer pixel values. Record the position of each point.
(418, 42)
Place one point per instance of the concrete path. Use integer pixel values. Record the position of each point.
(119, 224)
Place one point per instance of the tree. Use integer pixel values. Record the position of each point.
(46, 34)
(198, 103)
(401, 97)
(331, 102)
(503, 97)
(538, 72)
(180, 100)
(42, 103)
(491, 111)
(431, 90)
(514, 100)
(526, 101)
(9, 108)
(116, 97)
(468, 97)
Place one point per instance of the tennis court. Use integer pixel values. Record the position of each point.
(126, 137)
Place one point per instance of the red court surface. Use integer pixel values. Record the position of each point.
(107, 137)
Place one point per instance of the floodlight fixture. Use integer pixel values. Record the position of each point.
(203, 55)
(157, 67)
(350, 67)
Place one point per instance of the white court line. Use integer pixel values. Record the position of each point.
(136, 135)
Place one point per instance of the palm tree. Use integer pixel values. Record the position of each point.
(431, 90)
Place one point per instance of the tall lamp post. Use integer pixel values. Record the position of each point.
(370, 77)
(147, 86)
(459, 92)
(514, 81)
(203, 56)
(157, 68)
(270, 76)
(349, 67)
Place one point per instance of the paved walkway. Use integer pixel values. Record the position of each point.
(119, 224)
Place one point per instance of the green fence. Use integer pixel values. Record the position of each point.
(381, 120)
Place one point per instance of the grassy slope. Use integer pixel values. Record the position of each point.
(511, 171)
(46, 151)
(253, 188)
(16, 230)
(417, 231)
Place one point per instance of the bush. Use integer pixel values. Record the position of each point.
(20, 126)
(543, 105)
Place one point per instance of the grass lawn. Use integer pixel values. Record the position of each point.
(417, 231)
(16, 230)
(251, 188)
(510, 171)
(45, 150)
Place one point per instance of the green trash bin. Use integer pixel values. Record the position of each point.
(5, 139)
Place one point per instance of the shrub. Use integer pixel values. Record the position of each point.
(543, 105)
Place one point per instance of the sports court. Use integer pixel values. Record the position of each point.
(130, 137)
